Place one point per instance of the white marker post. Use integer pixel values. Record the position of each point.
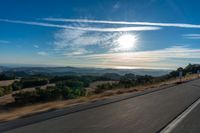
(180, 76)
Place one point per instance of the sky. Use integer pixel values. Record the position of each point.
(152, 34)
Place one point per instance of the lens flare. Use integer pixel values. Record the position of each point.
(126, 42)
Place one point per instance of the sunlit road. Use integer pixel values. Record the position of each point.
(147, 113)
(191, 123)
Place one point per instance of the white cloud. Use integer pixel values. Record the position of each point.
(35, 46)
(97, 29)
(65, 38)
(42, 53)
(180, 25)
(145, 25)
(72, 41)
(192, 36)
(76, 52)
(154, 55)
(75, 40)
(171, 57)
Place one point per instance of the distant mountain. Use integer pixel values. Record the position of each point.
(60, 71)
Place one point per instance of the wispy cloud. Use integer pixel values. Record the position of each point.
(76, 52)
(4, 42)
(192, 36)
(162, 58)
(83, 42)
(154, 55)
(76, 42)
(97, 29)
(42, 53)
(116, 5)
(180, 25)
(35, 46)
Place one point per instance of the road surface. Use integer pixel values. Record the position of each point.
(148, 113)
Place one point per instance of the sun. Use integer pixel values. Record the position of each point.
(126, 42)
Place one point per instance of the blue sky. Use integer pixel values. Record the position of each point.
(158, 34)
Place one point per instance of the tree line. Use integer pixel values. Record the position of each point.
(68, 87)
(132, 80)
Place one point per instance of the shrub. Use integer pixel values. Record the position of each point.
(16, 86)
(7, 90)
(50, 93)
(1, 91)
(27, 97)
(33, 82)
(103, 87)
(70, 83)
(67, 93)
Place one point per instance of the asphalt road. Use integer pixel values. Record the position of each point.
(190, 124)
(148, 113)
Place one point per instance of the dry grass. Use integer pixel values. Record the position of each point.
(6, 82)
(95, 84)
(6, 99)
(10, 114)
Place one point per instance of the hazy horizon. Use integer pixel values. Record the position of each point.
(87, 67)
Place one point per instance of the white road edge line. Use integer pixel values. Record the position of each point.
(176, 121)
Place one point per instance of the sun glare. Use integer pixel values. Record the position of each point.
(127, 42)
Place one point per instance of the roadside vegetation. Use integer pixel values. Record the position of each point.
(131, 80)
(66, 88)
(70, 87)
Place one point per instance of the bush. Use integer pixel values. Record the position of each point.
(103, 87)
(26, 83)
(50, 93)
(16, 86)
(131, 80)
(74, 84)
(39, 95)
(7, 90)
(1, 91)
(33, 82)
(67, 93)
(27, 97)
